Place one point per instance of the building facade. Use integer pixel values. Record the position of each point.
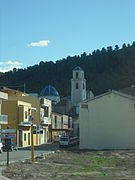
(61, 125)
(3, 117)
(108, 122)
(19, 118)
(45, 117)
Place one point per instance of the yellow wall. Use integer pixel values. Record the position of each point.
(10, 108)
(16, 113)
(34, 103)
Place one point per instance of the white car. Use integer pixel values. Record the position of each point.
(1, 145)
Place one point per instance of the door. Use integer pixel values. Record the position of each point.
(20, 138)
(28, 138)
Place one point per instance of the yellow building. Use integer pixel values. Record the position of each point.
(19, 118)
(42, 115)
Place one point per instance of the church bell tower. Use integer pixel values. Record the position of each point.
(78, 86)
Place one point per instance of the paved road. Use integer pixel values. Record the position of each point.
(22, 154)
(19, 155)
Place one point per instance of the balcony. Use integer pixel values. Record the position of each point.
(25, 123)
(3, 119)
(45, 120)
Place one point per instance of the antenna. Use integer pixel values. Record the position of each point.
(24, 87)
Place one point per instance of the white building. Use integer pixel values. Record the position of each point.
(45, 116)
(3, 118)
(108, 122)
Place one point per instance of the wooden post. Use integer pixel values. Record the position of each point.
(32, 145)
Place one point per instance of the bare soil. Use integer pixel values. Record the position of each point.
(77, 165)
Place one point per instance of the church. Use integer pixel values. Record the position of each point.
(70, 105)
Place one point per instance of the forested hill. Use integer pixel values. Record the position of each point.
(104, 69)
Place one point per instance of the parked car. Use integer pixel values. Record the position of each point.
(68, 141)
(13, 146)
(1, 146)
(10, 147)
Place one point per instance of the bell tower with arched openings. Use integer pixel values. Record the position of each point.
(78, 86)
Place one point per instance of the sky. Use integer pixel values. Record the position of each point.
(49, 30)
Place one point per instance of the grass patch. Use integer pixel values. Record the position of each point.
(98, 163)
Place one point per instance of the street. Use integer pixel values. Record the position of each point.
(19, 155)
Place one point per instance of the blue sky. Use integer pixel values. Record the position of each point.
(36, 30)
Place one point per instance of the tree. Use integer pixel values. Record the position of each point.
(103, 50)
(124, 46)
(109, 49)
(116, 48)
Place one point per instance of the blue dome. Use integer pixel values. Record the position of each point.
(49, 91)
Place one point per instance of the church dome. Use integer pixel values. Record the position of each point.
(49, 91)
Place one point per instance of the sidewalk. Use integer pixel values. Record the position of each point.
(2, 177)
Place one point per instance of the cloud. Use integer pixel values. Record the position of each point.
(9, 65)
(42, 43)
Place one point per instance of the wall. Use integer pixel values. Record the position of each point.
(34, 101)
(108, 122)
(9, 108)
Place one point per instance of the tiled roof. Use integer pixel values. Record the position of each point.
(77, 69)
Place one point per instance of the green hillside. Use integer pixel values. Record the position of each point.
(105, 69)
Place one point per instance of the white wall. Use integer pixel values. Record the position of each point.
(3, 95)
(108, 123)
(0, 105)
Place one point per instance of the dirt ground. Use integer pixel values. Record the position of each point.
(80, 165)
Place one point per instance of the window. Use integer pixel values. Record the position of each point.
(76, 85)
(83, 86)
(61, 122)
(85, 106)
(26, 114)
(24, 136)
(68, 122)
(29, 112)
(76, 75)
(46, 109)
(41, 101)
(55, 123)
(28, 138)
